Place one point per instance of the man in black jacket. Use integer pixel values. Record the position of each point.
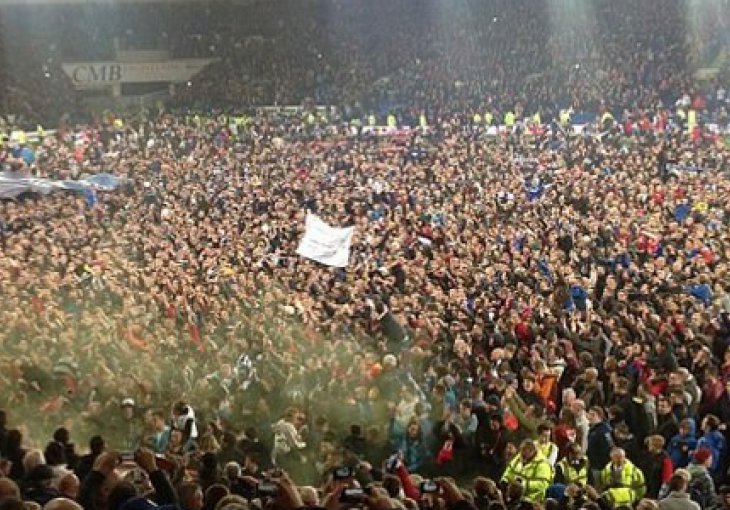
(600, 442)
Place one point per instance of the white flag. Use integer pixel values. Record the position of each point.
(325, 244)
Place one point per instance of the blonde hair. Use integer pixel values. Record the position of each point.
(32, 459)
(655, 443)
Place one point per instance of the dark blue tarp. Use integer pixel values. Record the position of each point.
(13, 184)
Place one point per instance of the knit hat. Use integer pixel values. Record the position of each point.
(701, 455)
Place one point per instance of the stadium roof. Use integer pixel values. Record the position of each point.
(81, 2)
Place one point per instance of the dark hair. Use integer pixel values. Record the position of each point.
(11, 503)
(61, 435)
(120, 494)
(251, 433)
(392, 484)
(96, 445)
(13, 442)
(677, 482)
(355, 429)
(55, 454)
(180, 407)
(214, 494)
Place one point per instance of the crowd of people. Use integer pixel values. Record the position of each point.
(532, 316)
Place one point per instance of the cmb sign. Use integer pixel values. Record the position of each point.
(96, 73)
(89, 75)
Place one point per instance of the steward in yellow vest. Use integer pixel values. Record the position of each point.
(530, 469)
(573, 468)
(509, 119)
(623, 482)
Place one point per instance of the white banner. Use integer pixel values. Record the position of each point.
(325, 244)
(86, 75)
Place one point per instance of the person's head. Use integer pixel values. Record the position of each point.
(702, 457)
(11, 503)
(158, 420)
(309, 496)
(685, 426)
(55, 454)
(677, 483)
(251, 434)
(232, 502)
(128, 408)
(214, 494)
(724, 493)
(485, 488)
(528, 383)
(528, 450)
(252, 461)
(232, 470)
(545, 431)
(32, 459)
(663, 406)
(655, 443)
(63, 503)
(8, 488)
(574, 451)
(618, 456)
(465, 408)
(13, 441)
(596, 415)
(622, 431)
(190, 495)
(355, 430)
(69, 486)
(62, 435)
(96, 445)
(414, 430)
(710, 423)
(647, 504)
(392, 484)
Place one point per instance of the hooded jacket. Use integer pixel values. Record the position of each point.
(681, 446)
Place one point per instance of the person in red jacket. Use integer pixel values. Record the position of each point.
(656, 465)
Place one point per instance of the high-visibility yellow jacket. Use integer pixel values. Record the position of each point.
(535, 475)
(577, 475)
(626, 488)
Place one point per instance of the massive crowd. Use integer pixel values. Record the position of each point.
(540, 316)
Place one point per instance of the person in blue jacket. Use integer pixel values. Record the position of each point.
(413, 447)
(682, 445)
(714, 440)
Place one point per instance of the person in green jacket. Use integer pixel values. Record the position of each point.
(525, 414)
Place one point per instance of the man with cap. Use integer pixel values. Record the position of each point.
(130, 427)
(701, 485)
(530, 468)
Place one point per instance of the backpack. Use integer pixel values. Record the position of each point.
(699, 490)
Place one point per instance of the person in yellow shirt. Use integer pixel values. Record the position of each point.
(530, 468)
(545, 444)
